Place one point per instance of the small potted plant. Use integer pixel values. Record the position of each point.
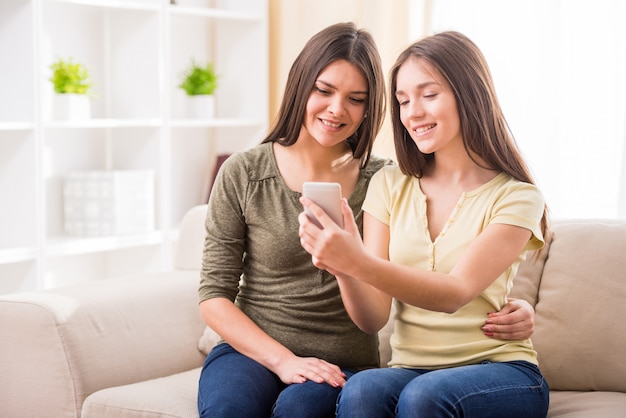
(200, 82)
(72, 87)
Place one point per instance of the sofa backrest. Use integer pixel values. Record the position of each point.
(579, 291)
(190, 241)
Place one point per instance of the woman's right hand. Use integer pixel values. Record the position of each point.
(300, 369)
(332, 248)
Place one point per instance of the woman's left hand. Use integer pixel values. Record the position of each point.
(515, 321)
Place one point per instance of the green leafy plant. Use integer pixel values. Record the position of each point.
(70, 77)
(199, 79)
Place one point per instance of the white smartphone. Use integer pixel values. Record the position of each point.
(327, 196)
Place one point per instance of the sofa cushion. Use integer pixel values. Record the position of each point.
(580, 332)
(586, 404)
(190, 241)
(173, 396)
(208, 340)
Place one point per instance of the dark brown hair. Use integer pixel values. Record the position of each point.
(483, 126)
(341, 41)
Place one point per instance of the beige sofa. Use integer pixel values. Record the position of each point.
(130, 347)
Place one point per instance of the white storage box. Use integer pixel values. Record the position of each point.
(99, 203)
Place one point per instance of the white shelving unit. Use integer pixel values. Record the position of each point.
(136, 52)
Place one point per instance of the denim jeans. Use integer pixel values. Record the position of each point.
(509, 389)
(233, 385)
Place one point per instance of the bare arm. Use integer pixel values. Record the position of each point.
(246, 337)
(490, 254)
(367, 306)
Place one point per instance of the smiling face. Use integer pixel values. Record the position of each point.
(428, 108)
(336, 106)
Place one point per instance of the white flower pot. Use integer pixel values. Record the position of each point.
(71, 106)
(201, 106)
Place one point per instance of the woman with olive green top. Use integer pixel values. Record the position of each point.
(254, 211)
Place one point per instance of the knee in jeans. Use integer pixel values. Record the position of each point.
(360, 387)
(354, 388)
(306, 400)
(424, 398)
(418, 401)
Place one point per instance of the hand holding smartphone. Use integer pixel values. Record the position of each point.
(327, 196)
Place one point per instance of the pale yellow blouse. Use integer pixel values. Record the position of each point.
(432, 340)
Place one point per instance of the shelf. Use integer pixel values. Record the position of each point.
(216, 123)
(104, 123)
(139, 119)
(74, 246)
(145, 123)
(113, 4)
(17, 255)
(214, 13)
(16, 126)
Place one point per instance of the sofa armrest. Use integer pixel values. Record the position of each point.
(59, 346)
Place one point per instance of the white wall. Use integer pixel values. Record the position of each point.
(560, 71)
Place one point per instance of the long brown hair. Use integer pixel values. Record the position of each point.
(483, 125)
(341, 41)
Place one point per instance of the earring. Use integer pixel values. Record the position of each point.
(365, 116)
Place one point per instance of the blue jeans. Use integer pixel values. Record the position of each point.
(510, 389)
(233, 385)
